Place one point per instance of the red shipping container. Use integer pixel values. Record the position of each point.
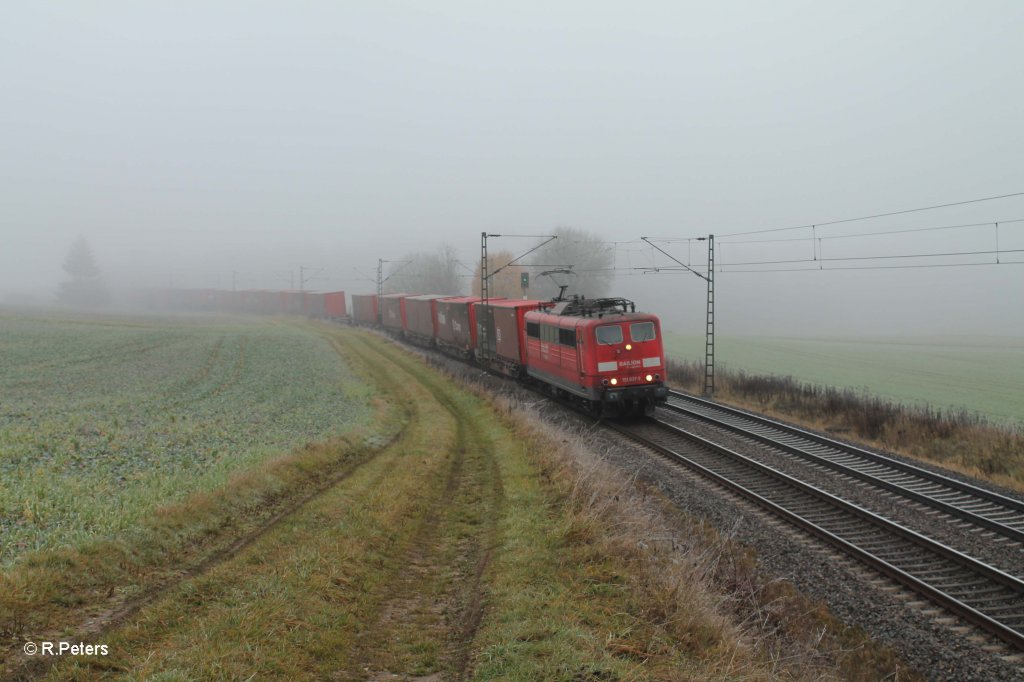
(269, 302)
(313, 304)
(456, 323)
(364, 308)
(294, 303)
(228, 301)
(392, 311)
(509, 331)
(334, 304)
(250, 301)
(421, 316)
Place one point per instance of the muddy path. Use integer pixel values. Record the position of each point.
(435, 603)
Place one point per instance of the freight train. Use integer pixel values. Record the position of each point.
(327, 305)
(599, 353)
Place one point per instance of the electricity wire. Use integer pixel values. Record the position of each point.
(878, 215)
(990, 223)
(851, 220)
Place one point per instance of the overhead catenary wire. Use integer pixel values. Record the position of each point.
(878, 215)
(818, 241)
(855, 235)
(851, 220)
(820, 258)
(878, 267)
(924, 255)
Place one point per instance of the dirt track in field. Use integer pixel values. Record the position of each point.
(422, 618)
(439, 591)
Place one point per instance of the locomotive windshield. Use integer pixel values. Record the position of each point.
(609, 334)
(642, 331)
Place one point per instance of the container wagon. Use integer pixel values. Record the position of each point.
(334, 305)
(421, 318)
(501, 341)
(392, 311)
(364, 308)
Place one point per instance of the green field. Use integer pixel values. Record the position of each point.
(439, 536)
(104, 419)
(983, 375)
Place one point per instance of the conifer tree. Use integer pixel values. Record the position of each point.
(85, 287)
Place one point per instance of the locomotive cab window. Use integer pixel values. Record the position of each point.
(567, 337)
(533, 329)
(642, 331)
(609, 334)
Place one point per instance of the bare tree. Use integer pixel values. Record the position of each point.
(85, 288)
(591, 262)
(504, 284)
(428, 273)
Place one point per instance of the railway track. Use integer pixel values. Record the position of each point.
(1001, 516)
(977, 592)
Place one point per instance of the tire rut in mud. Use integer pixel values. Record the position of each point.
(435, 603)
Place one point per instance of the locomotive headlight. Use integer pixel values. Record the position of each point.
(629, 346)
(650, 378)
(614, 381)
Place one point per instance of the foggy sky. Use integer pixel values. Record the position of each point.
(192, 141)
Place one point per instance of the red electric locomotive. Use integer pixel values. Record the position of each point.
(600, 351)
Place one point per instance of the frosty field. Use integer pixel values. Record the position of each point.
(979, 374)
(105, 419)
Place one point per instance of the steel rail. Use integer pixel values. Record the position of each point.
(948, 601)
(952, 485)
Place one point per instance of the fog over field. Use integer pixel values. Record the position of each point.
(205, 144)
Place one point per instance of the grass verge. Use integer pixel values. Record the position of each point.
(954, 439)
